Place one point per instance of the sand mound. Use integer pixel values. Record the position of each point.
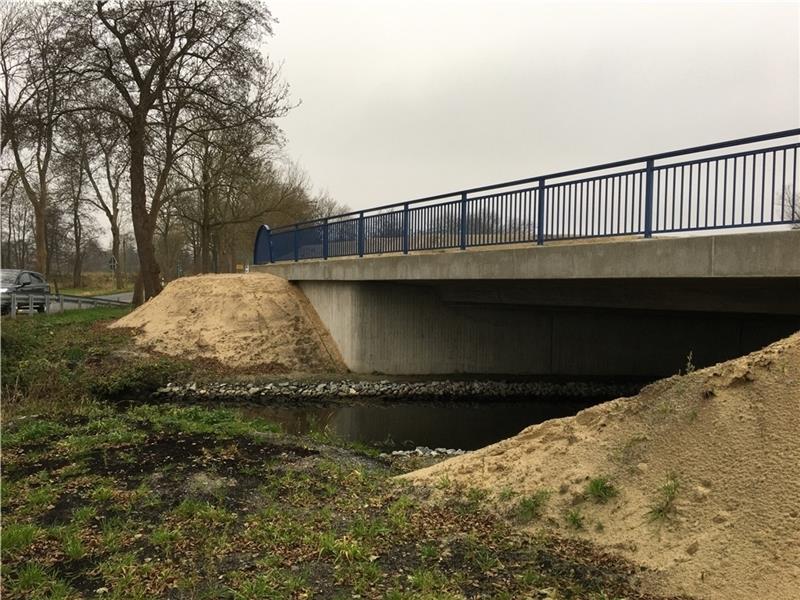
(253, 321)
(728, 434)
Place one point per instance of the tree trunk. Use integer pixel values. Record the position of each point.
(40, 229)
(143, 229)
(77, 271)
(118, 272)
(7, 259)
(138, 291)
(205, 247)
(77, 266)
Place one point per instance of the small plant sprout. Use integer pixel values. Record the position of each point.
(689, 364)
(574, 519)
(601, 490)
(664, 505)
(531, 507)
(506, 494)
(443, 483)
(599, 527)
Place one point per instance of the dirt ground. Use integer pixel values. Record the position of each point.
(254, 321)
(697, 477)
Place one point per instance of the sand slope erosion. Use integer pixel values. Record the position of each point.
(255, 322)
(729, 435)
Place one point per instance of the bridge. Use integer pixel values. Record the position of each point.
(620, 269)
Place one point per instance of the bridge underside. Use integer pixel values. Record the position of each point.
(649, 305)
(460, 328)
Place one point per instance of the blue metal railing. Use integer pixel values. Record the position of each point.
(756, 184)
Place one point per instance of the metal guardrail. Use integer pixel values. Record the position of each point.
(31, 301)
(754, 185)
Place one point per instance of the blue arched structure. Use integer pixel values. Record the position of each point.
(262, 250)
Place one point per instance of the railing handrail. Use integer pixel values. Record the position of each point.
(568, 173)
(92, 299)
(88, 299)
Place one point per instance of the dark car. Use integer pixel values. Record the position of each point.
(26, 285)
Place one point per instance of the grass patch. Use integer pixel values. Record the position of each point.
(181, 501)
(54, 363)
(209, 509)
(574, 519)
(601, 490)
(531, 507)
(664, 505)
(17, 536)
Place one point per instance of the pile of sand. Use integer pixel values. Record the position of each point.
(254, 321)
(730, 434)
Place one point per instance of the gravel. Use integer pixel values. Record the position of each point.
(394, 390)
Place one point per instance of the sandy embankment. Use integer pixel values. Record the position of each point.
(255, 322)
(730, 434)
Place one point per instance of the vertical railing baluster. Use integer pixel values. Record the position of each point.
(540, 214)
(296, 243)
(794, 216)
(405, 229)
(753, 192)
(763, 182)
(463, 229)
(325, 239)
(648, 201)
(783, 183)
(361, 233)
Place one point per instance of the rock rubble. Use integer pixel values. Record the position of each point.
(400, 390)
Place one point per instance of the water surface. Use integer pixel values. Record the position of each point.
(406, 424)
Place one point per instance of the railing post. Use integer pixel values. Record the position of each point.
(296, 244)
(31, 310)
(13, 313)
(405, 229)
(61, 303)
(648, 200)
(540, 214)
(463, 233)
(325, 239)
(361, 233)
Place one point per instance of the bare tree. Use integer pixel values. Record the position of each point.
(173, 70)
(36, 61)
(17, 223)
(788, 203)
(324, 206)
(71, 183)
(106, 165)
(217, 172)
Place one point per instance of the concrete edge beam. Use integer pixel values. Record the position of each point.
(762, 254)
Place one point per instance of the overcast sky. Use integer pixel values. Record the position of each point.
(402, 99)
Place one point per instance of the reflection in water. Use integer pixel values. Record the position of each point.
(464, 425)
